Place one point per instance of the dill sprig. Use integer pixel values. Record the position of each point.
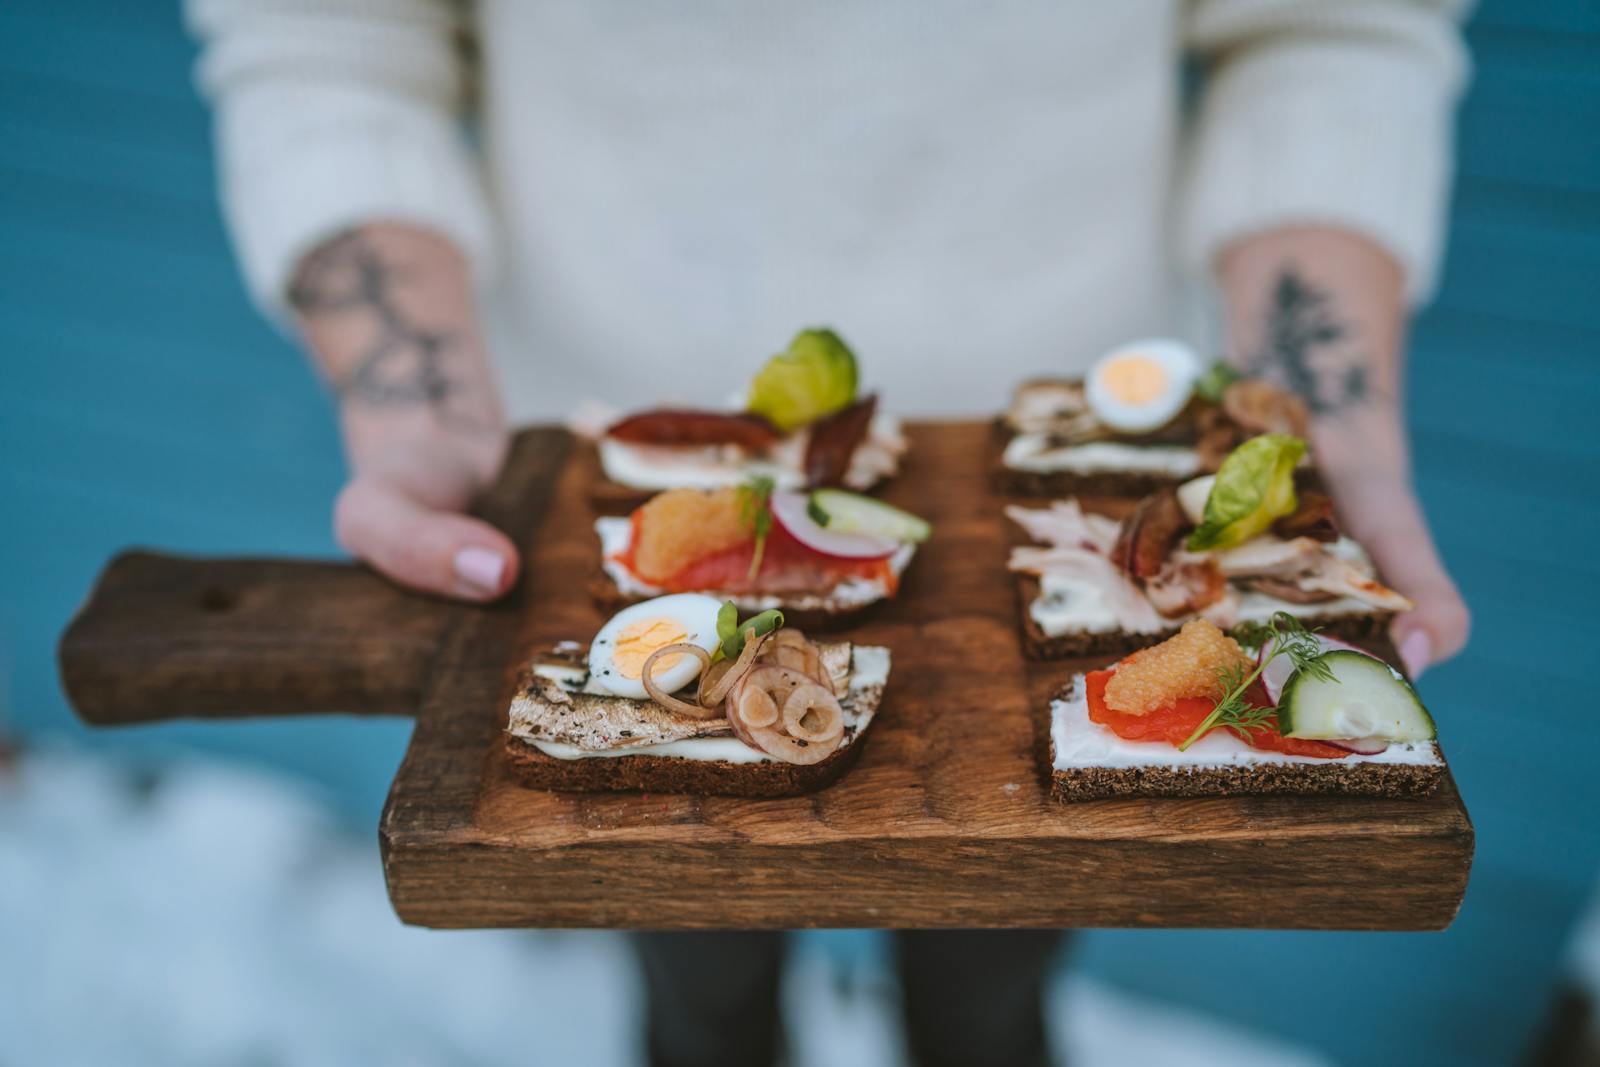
(1281, 635)
(755, 509)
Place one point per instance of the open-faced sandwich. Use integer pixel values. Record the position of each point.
(801, 422)
(1274, 708)
(1147, 415)
(675, 695)
(822, 557)
(1236, 546)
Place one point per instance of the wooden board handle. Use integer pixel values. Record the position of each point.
(164, 637)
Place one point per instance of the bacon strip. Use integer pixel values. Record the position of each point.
(685, 427)
(835, 438)
(1312, 517)
(1149, 534)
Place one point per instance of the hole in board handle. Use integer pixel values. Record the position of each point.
(217, 599)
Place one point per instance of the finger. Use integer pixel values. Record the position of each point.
(1435, 630)
(435, 551)
(1438, 626)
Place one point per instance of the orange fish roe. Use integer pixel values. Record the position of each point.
(1184, 665)
(678, 527)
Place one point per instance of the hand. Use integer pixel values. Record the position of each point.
(387, 313)
(402, 511)
(1379, 508)
(1322, 312)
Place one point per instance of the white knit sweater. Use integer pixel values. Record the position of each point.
(658, 194)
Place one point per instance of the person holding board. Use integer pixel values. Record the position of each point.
(479, 215)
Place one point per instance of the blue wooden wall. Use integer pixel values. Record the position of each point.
(142, 402)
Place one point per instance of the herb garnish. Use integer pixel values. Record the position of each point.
(1281, 635)
(732, 634)
(755, 508)
(1215, 381)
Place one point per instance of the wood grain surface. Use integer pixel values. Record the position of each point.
(946, 820)
(164, 637)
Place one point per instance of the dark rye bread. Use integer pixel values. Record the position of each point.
(671, 774)
(548, 709)
(1361, 629)
(1120, 484)
(825, 616)
(1397, 781)
(1394, 780)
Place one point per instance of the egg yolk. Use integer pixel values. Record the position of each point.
(1134, 380)
(638, 640)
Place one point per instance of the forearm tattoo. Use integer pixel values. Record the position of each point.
(1302, 348)
(404, 364)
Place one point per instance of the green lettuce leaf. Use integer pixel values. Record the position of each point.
(1254, 487)
(815, 377)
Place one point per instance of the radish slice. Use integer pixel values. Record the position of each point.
(1361, 746)
(1278, 672)
(789, 509)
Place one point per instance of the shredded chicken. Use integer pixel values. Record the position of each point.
(1310, 567)
(1269, 557)
(1343, 577)
(1132, 607)
(1051, 406)
(1185, 587)
(1172, 582)
(1064, 523)
(1287, 589)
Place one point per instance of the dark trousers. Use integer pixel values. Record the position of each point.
(970, 997)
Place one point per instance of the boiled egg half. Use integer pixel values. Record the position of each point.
(1141, 387)
(618, 652)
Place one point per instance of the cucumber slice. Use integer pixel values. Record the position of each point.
(846, 512)
(1365, 699)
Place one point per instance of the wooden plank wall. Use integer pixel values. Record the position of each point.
(143, 401)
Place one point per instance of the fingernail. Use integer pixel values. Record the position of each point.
(1416, 652)
(480, 568)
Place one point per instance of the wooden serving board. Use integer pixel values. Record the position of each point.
(946, 821)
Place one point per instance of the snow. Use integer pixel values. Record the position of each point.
(215, 915)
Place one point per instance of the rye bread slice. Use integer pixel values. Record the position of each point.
(1157, 779)
(563, 720)
(1012, 481)
(1119, 485)
(673, 774)
(1361, 628)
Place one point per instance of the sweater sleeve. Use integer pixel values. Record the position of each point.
(1321, 113)
(331, 114)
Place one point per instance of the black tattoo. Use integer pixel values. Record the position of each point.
(1300, 348)
(405, 363)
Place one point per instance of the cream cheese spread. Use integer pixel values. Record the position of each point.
(657, 467)
(1068, 606)
(1077, 741)
(1034, 452)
